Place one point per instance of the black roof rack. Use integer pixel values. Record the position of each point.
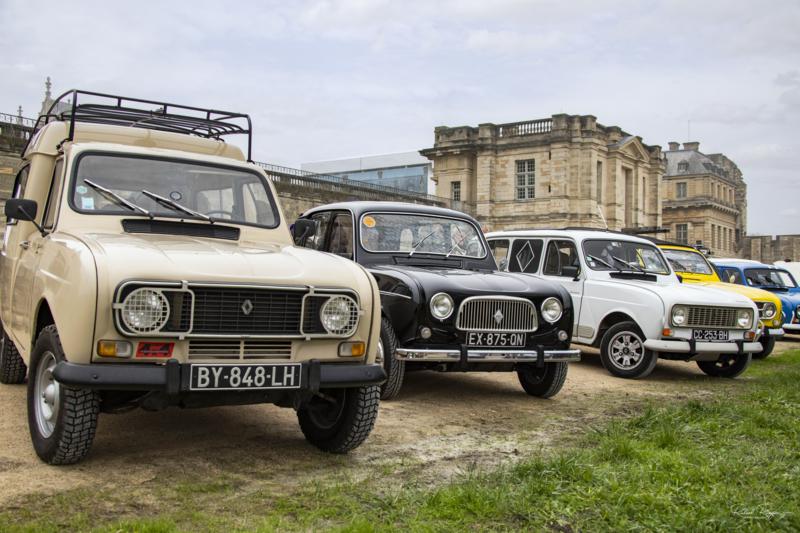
(136, 112)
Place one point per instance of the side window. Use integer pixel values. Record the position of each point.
(317, 241)
(732, 275)
(19, 188)
(525, 256)
(53, 196)
(342, 235)
(561, 259)
(499, 250)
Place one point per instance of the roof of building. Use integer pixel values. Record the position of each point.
(371, 162)
(696, 163)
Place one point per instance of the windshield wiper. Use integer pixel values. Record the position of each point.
(117, 199)
(597, 259)
(176, 206)
(414, 247)
(629, 265)
(455, 245)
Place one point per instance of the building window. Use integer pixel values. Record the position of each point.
(526, 179)
(682, 233)
(680, 189)
(455, 191)
(683, 166)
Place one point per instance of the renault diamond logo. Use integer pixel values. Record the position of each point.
(247, 307)
(498, 316)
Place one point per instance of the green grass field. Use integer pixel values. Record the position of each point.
(730, 462)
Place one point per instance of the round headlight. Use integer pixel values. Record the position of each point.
(768, 311)
(744, 317)
(797, 311)
(145, 310)
(339, 315)
(552, 309)
(441, 305)
(678, 315)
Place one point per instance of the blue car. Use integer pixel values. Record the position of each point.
(768, 277)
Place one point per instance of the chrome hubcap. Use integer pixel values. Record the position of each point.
(626, 350)
(47, 392)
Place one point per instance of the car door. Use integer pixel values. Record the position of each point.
(11, 250)
(561, 264)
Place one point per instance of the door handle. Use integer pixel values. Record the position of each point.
(25, 245)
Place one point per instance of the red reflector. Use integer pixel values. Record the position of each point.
(155, 349)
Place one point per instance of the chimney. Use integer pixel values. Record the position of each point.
(673, 146)
(694, 146)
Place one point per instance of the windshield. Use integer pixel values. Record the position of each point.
(410, 234)
(687, 262)
(129, 185)
(623, 255)
(767, 277)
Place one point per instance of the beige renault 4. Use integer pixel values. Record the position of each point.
(146, 263)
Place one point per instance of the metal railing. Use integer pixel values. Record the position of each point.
(528, 127)
(17, 120)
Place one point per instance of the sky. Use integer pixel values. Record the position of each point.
(335, 79)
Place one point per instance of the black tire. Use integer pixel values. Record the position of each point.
(12, 367)
(767, 345)
(542, 382)
(339, 420)
(76, 410)
(395, 370)
(727, 366)
(623, 354)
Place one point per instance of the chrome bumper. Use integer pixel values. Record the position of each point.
(791, 327)
(488, 356)
(774, 332)
(683, 346)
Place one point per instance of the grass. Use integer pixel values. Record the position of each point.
(731, 462)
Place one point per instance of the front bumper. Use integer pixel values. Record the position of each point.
(793, 328)
(173, 377)
(472, 355)
(773, 332)
(692, 347)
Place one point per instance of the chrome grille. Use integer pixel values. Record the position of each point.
(497, 314)
(270, 311)
(235, 350)
(711, 317)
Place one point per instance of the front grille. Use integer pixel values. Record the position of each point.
(712, 317)
(497, 314)
(224, 310)
(235, 350)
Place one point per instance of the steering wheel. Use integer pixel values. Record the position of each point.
(229, 214)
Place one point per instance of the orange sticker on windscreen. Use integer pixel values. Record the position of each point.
(368, 221)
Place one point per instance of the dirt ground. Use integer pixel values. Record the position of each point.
(442, 424)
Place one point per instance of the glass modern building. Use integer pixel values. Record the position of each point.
(408, 171)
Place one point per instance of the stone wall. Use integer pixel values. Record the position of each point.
(768, 248)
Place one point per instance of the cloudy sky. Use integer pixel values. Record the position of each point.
(333, 79)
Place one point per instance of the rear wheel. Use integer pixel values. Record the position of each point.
(767, 345)
(62, 421)
(395, 369)
(339, 420)
(12, 367)
(623, 354)
(543, 382)
(727, 366)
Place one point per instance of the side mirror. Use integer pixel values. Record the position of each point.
(680, 278)
(21, 209)
(302, 229)
(570, 272)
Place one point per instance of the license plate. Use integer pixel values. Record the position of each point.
(245, 377)
(710, 335)
(475, 338)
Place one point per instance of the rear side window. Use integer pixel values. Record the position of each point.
(526, 256)
(499, 250)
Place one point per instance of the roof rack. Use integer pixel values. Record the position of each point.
(123, 111)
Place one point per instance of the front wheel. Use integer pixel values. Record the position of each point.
(395, 369)
(727, 366)
(339, 420)
(767, 345)
(543, 382)
(623, 354)
(62, 421)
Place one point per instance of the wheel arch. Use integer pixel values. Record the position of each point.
(612, 318)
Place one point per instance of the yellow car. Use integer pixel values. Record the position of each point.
(693, 267)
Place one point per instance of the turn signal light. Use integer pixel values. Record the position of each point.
(120, 349)
(666, 332)
(352, 349)
(750, 335)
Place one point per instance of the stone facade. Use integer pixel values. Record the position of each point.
(769, 249)
(567, 170)
(705, 199)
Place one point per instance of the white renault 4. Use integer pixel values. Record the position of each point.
(631, 305)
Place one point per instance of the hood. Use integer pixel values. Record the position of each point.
(122, 256)
(478, 283)
(691, 293)
(749, 292)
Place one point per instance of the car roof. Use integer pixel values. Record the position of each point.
(360, 207)
(736, 262)
(577, 234)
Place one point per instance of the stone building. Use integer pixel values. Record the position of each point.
(704, 199)
(769, 249)
(567, 170)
